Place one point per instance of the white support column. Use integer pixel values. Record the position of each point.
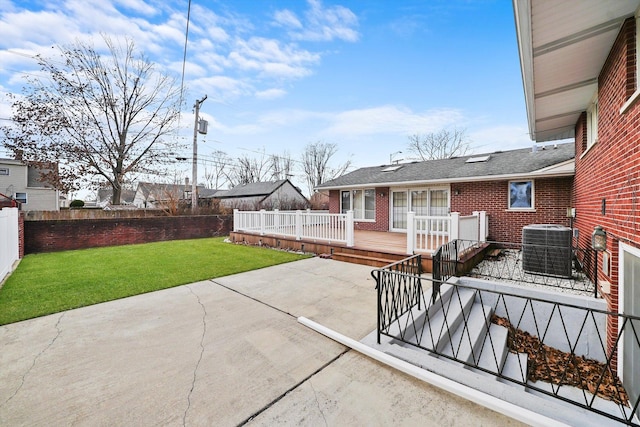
(454, 232)
(350, 231)
(262, 220)
(276, 220)
(411, 232)
(236, 220)
(298, 225)
(478, 226)
(484, 226)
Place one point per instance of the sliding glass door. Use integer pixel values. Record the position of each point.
(423, 202)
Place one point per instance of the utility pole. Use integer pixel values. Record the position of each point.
(194, 167)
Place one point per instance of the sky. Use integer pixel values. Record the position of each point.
(280, 74)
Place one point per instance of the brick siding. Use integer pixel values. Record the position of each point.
(552, 198)
(609, 171)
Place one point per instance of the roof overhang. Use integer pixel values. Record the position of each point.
(563, 46)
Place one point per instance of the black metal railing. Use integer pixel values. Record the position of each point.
(553, 346)
(399, 286)
(561, 267)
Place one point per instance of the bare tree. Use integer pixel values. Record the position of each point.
(315, 162)
(97, 117)
(443, 144)
(281, 166)
(249, 169)
(215, 169)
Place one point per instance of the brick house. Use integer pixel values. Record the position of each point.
(516, 188)
(581, 79)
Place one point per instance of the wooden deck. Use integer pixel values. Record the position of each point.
(373, 248)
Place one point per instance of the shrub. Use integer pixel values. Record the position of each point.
(76, 203)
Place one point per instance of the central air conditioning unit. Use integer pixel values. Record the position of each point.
(546, 250)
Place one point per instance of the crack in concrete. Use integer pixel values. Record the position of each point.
(195, 371)
(318, 402)
(35, 359)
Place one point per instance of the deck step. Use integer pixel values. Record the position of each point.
(468, 338)
(373, 261)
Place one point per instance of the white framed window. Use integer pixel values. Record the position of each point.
(592, 122)
(362, 202)
(4, 171)
(21, 197)
(521, 195)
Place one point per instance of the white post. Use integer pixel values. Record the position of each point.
(411, 232)
(484, 226)
(454, 232)
(262, 220)
(276, 220)
(350, 231)
(298, 225)
(236, 220)
(478, 230)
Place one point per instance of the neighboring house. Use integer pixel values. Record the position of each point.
(24, 183)
(104, 196)
(516, 188)
(156, 196)
(581, 71)
(263, 195)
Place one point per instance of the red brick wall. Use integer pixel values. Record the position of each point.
(58, 235)
(552, 197)
(610, 170)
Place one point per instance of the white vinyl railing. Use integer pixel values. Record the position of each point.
(9, 243)
(427, 233)
(424, 233)
(312, 225)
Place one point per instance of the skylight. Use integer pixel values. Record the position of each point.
(477, 159)
(391, 168)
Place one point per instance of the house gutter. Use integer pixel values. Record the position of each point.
(513, 411)
(522, 17)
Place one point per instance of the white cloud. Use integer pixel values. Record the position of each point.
(271, 94)
(391, 119)
(271, 58)
(503, 137)
(320, 23)
(286, 18)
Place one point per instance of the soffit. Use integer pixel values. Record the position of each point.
(563, 47)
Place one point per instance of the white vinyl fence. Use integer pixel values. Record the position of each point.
(9, 244)
(311, 225)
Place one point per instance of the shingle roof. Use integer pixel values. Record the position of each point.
(253, 189)
(500, 163)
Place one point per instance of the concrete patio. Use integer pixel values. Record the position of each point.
(224, 352)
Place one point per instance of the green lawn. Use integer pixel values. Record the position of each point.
(52, 282)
